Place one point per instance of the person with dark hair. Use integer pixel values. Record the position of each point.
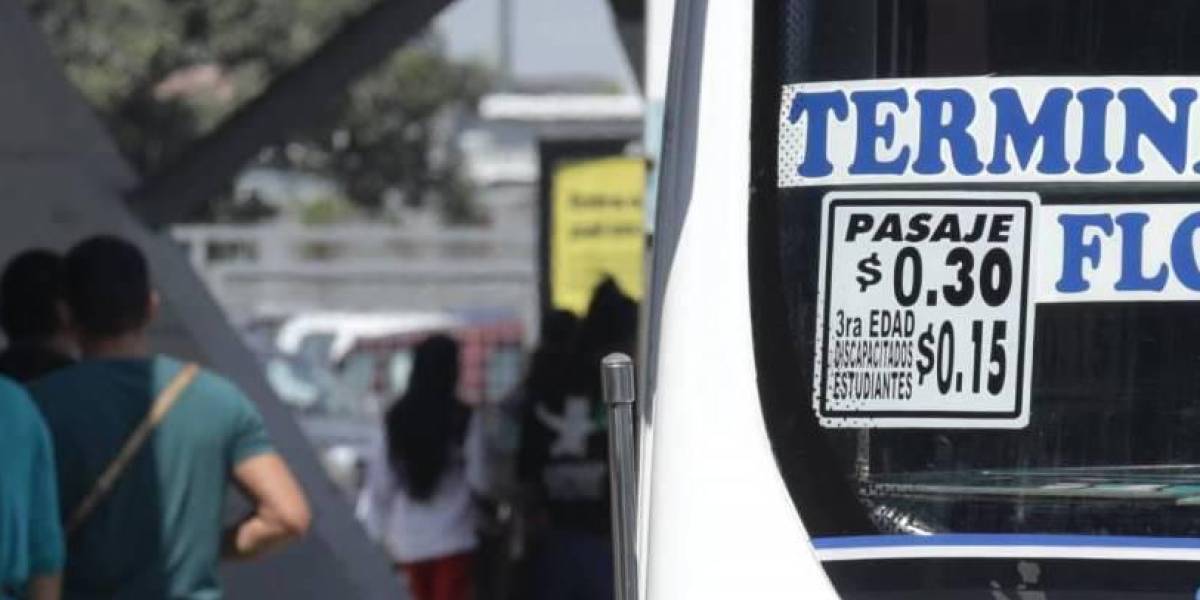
(34, 316)
(550, 363)
(31, 538)
(564, 453)
(147, 448)
(418, 501)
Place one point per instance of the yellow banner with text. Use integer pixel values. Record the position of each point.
(596, 229)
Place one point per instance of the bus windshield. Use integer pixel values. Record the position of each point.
(974, 273)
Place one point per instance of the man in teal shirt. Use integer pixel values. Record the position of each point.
(158, 534)
(31, 545)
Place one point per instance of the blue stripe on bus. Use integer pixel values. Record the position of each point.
(986, 539)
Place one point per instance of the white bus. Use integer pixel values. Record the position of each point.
(923, 316)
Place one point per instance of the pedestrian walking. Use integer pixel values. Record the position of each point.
(564, 456)
(35, 317)
(148, 446)
(418, 500)
(31, 544)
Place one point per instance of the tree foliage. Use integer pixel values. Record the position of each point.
(162, 73)
(392, 132)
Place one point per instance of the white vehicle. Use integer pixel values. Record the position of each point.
(328, 336)
(923, 319)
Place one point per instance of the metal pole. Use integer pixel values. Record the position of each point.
(505, 34)
(618, 380)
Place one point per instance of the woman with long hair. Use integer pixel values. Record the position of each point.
(418, 501)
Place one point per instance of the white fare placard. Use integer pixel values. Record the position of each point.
(924, 310)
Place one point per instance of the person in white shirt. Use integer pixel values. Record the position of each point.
(418, 501)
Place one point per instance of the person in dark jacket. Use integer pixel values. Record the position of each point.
(564, 454)
(35, 317)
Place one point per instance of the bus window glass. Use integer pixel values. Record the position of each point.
(896, 141)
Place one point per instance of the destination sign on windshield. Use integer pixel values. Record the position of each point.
(990, 129)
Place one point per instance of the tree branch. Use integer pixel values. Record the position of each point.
(299, 96)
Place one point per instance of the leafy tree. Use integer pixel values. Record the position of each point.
(390, 121)
(162, 73)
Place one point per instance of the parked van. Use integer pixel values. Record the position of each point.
(340, 404)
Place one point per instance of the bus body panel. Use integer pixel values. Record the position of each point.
(717, 518)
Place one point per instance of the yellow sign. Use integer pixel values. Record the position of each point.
(596, 229)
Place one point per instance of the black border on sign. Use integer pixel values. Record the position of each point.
(820, 389)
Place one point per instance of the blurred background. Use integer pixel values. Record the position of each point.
(322, 184)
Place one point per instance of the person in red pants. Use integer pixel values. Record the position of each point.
(417, 500)
(445, 578)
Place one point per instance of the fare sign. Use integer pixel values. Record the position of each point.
(924, 310)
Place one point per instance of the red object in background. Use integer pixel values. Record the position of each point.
(446, 578)
(490, 358)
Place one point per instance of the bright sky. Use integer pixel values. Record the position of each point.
(551, 37)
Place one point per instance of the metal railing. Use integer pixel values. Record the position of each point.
(278, 245)
(285, 268)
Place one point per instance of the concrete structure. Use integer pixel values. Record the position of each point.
(283, 268)
(61, 179)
